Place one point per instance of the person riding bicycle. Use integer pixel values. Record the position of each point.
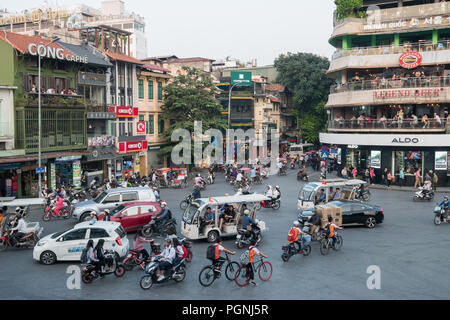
(253, 251)
(446, 206)
(218, 260)
(331, 227)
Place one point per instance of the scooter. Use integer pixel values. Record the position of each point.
(420, 195)
(274, 204)
(440, 216)
(210, 179)
(244, 236)
(29, 240)
(49, 211)
(150, 276)
(132, 260)
(88, 273)
(153, 227)
(290, 250)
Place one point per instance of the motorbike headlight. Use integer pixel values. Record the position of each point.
(41, 243)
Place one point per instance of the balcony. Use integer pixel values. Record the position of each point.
(50, 100)
(386, 125)
(400, 19)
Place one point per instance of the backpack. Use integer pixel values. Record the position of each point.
(245, 257)
(291, 235)
(84, 256)
(211, 252)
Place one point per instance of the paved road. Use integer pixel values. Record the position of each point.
(409, 249)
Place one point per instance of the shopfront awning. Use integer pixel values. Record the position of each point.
(33, 157)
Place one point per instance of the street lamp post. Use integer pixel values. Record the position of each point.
(39, 117)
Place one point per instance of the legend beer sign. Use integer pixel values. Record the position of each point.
(132, 146)
(407, 93)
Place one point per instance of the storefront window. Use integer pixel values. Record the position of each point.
(413, 161)
(399, 161)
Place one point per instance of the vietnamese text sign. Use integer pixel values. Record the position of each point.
(132, 146)
(76, 169)
(242, 78)
(126, 112)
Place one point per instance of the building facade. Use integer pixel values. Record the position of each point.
(389, 108)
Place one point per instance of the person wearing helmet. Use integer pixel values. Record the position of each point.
(446, 206)
(247, 223)
(164, 216)
(107, 216)
(18, 231)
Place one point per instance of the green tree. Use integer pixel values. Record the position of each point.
(191, 97)
(304, 75)
(348, 8)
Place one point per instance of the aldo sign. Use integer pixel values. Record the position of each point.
(55, 53)
(405, 140)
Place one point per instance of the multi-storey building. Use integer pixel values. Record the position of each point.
(389, 107)
(151, 80)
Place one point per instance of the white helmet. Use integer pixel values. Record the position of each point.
(163, 204)
(296, 223)
(278, 187)
(246, 212)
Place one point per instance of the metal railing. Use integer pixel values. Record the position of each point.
(392, 49)
(385, 124)
(377, 84)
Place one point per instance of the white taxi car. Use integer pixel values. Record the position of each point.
(68, 245)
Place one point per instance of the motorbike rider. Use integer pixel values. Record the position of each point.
(167, 257)
(314, 220)
(296, 236)
(211, 173)
(91, 257)
(94, 183)
(196, 193)
(446, 206)
(138, 245)
(218, 260)
(427, 188)
(19, 230)
(163, 217)
(303, 172)
(276, 193)
(199, 180)
(100, 254)
(247, 223)
(245, 188)
(59, 204)
(269, 194)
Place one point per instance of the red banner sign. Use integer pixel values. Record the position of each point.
(410, 60)
(407, 93)
(125, 112)
(140, 127)
(132, 146)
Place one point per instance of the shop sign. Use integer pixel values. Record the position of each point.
(101, 141)
(440, 160)
(54, 53)
(132, 146)
(410, 60)
(125, 112)
(91, 78)
(68, 158)
(140, 127)
(52, 176)
(407, 93)
(36, 16)
(76, 169)
(405, 140)
(414, 23)
(375, 159)
(352, 146)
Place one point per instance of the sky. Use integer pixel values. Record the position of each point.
(241, 29)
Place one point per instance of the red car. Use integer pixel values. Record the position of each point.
(133, 215)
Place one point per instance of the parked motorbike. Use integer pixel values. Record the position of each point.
(244, 236)
(422, 195)
(440, 216)
(290, 250)
(153, 228)
(150, 276)
(88, 273)
(133, 258)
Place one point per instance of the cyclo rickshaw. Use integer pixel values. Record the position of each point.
(308, 195)
(161, 178)
(190, 226)
(180, 178)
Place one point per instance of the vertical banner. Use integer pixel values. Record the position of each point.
(53, 176)
(76, 170)
(440, 160)
(375, 159)
(339, 156)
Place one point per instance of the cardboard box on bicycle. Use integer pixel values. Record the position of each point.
(325, 212)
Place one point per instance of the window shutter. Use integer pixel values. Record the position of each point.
(151, 127)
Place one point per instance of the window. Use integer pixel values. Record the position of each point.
(121, 127)
(130, 128)
(112, 198)
(145, 209)
(150, 88)
(133, 211)
(160, 90)
(141, 89)
(161, 126)
(78, 234)
(141, 118)
(151, 124)
(98, 233)
(129, 196)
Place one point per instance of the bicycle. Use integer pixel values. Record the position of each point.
(327, 242)
(209, 274)
(264, 272)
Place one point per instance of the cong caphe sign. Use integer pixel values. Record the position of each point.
(241, 78)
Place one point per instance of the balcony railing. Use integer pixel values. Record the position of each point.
(386, 125)
(51, 100)
(424, 82)
(392, 49)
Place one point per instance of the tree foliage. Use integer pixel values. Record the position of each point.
(348, 8)
(304, 75)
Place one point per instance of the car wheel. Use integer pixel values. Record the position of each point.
(48, 257)
(213, 236)
(370, 222)
(86, 216)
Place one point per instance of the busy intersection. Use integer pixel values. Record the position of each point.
(407, 248)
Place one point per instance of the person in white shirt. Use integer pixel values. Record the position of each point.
(269, 192)
(166, 260)
(18, 231)
(239, 177)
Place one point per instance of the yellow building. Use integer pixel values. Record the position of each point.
(151, 80)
